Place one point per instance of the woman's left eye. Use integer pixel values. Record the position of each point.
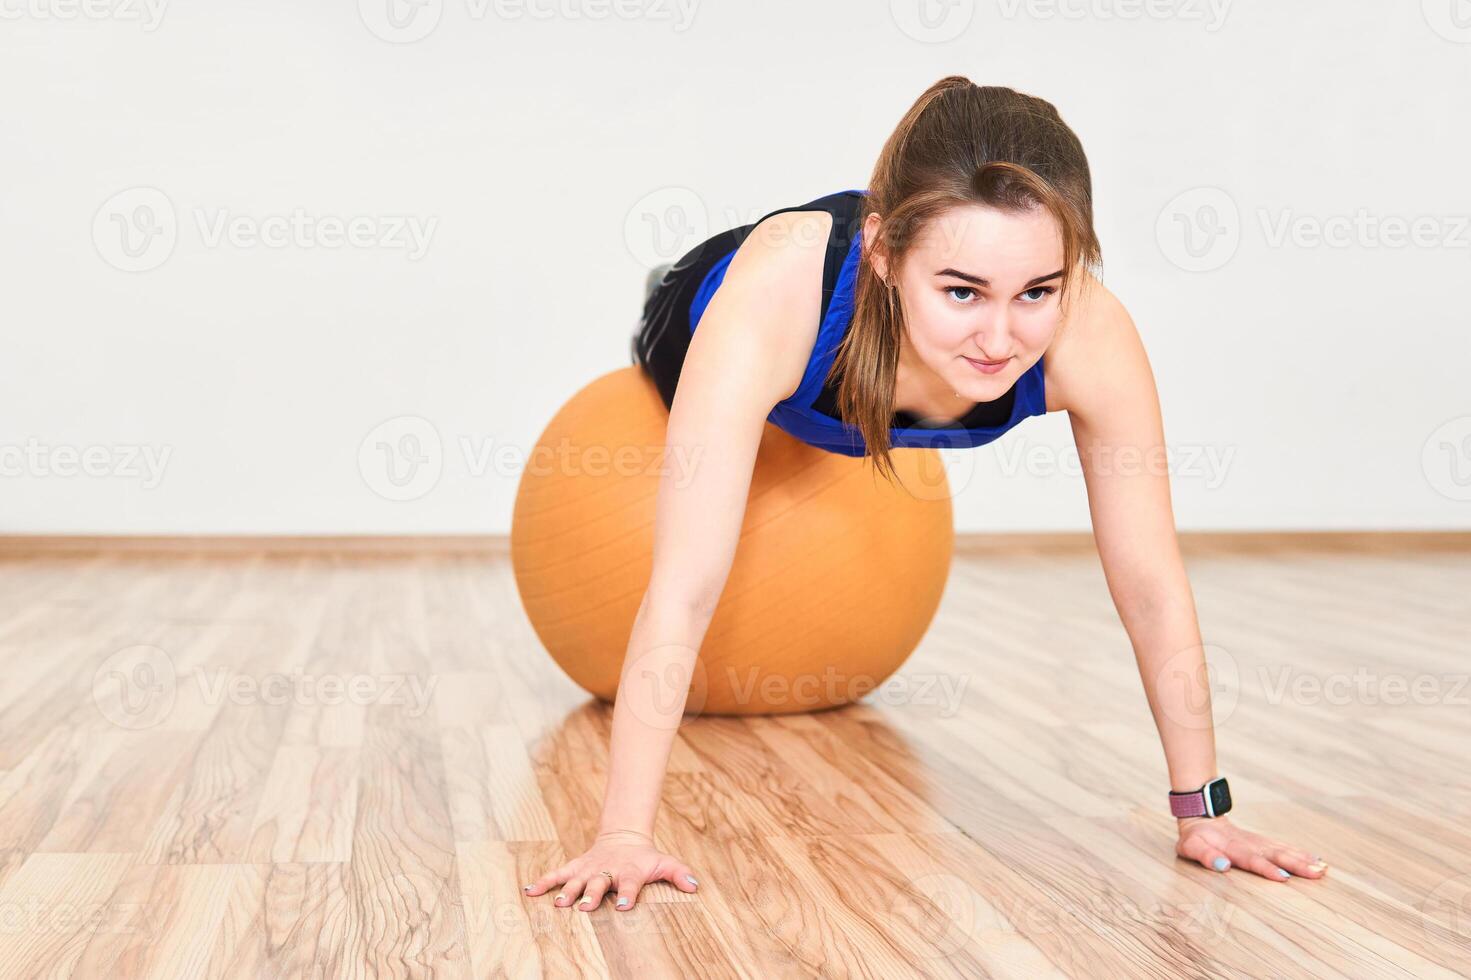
(1043, 291)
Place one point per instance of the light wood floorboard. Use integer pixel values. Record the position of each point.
(185, 793)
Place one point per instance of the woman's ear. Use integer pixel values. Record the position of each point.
(876, 257)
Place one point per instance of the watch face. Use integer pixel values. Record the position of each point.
(1220, 795)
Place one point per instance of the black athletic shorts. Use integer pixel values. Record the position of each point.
(663, 336)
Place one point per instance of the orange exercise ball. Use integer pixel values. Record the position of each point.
(836, 576)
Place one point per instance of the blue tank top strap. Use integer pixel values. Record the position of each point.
(837, 314)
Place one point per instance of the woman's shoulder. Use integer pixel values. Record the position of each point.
(791, 240)
(1085, 344)
(773, 288)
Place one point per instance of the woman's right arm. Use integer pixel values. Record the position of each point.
(747, 354)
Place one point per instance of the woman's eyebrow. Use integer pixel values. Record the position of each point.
(979, 281)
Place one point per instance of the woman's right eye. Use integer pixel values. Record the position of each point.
(962, 289)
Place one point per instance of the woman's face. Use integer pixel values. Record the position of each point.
(980, 290)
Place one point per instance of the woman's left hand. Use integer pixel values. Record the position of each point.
(1220, 845)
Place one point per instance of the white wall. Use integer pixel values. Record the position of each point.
(534, 141)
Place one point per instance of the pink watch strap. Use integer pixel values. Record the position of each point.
(1188, 804)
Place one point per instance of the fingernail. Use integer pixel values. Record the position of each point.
(691, 880)
(559, 898)
(526, 888)
(1283, 873)
(1318, 865)
(1220, 864)
(623, 901)
(585, 901)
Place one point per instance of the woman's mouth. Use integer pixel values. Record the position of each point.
(987, 367)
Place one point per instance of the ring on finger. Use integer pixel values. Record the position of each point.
(586, 898)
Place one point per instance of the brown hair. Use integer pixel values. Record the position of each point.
(959, 144)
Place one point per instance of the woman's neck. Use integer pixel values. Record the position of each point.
(922, 392)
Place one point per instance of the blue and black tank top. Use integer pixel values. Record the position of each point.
(673, 310)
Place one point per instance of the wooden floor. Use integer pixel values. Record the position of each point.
(184, 793)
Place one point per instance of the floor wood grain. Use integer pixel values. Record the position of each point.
(321, 763)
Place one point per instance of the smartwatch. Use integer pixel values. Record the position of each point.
(1211, 800)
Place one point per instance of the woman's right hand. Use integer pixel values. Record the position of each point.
(633, 861)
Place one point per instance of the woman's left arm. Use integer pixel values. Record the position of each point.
(1114, 410)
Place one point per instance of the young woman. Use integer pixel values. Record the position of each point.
(943, 306)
